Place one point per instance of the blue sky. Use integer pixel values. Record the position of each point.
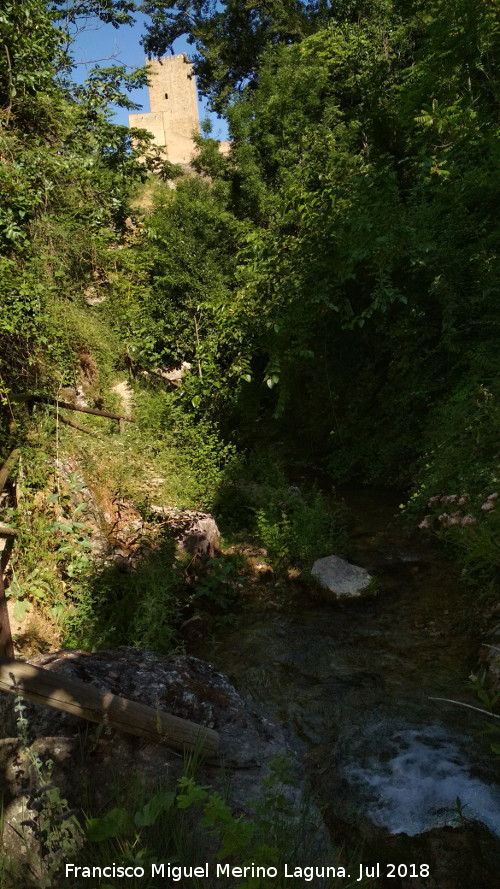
(106, 45)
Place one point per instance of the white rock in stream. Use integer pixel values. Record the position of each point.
(340, 577)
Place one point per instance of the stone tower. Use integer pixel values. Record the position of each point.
(174, 108)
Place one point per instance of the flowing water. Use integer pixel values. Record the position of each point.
(355, 683)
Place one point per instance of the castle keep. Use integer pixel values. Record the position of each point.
(174, 108)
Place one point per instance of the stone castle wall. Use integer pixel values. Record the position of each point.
(174, 108)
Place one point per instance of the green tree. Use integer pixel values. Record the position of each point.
(66, 176)
(229, 37)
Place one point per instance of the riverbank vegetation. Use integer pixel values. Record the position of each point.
(331, 286)
(332, 282)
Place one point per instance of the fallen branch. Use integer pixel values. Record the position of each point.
(468, 706)
(84, 700)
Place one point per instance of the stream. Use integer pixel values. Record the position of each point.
(354, 683)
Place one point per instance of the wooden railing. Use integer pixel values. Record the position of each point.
(31, 399)
(9, 534)
(53, 689)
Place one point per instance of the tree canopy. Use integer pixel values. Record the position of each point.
(229, 37)
(340, 265)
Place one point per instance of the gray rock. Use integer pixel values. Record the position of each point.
(92, 297)
(172, 377)
(87, 756)
(344, 580)
(181, 685)
(195, 532)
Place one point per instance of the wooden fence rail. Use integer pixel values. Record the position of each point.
(6, 645)
(48, 399)
(84, 700)
(68, 422)
(7, 467)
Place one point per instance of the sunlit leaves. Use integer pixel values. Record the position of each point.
(229, 37)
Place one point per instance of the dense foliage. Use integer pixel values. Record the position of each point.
(360, 197)
(363, 183)
(66, 174)
(229, 37)
(333, 282)
(330, 289)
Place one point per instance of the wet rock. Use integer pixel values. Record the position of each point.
(196, 533)
(341, 578)
(463, 856)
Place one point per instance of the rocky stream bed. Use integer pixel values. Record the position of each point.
(352, 690)
(398, 774)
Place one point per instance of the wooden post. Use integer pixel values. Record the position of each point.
(93, 411)
(6, 644)
(84, 700)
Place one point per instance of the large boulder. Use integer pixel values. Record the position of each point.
(79, 755)
(340, 578)
(181, 685)
(196, 532)
(86, 755)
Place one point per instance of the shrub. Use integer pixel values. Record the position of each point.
(139, 606)
(300, 529)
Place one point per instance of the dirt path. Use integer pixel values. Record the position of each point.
(125, 392)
